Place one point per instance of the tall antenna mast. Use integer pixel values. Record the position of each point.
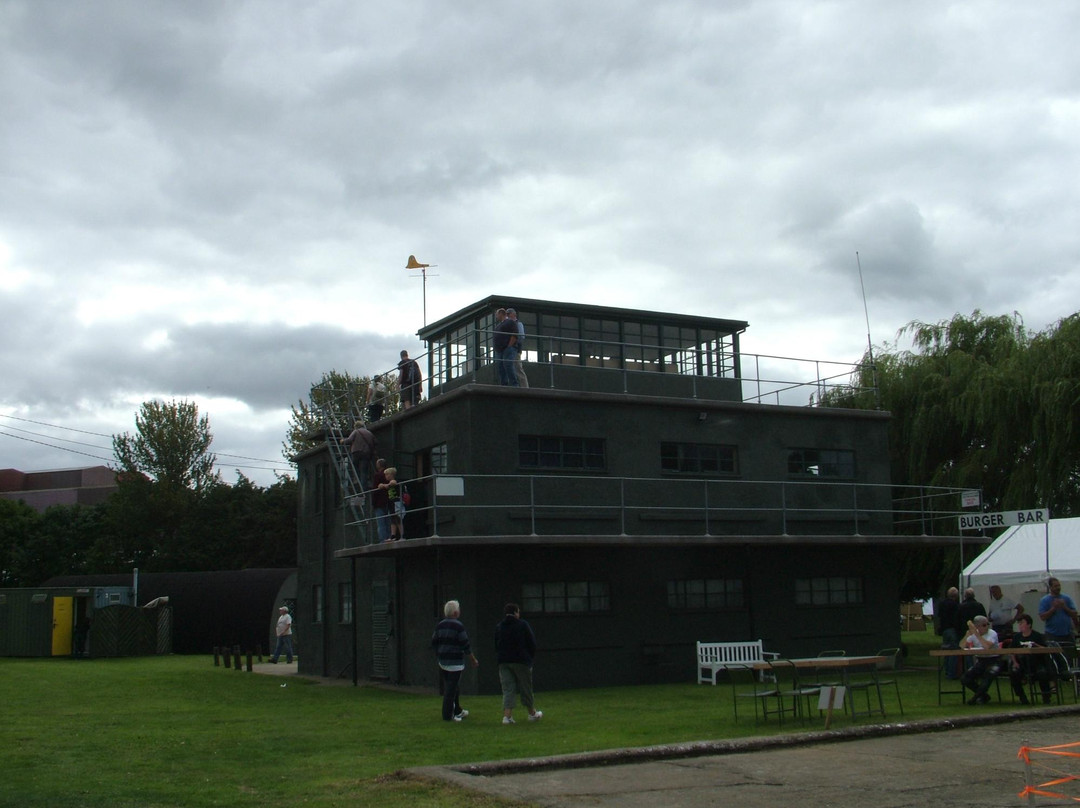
(414, 264)
(869, 343)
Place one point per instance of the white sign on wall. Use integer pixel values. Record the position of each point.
(978, 521)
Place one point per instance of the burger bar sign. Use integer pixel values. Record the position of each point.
(978, 521)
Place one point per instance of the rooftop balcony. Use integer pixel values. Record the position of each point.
(601, 349)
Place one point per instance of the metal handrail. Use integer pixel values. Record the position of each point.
(717, 501)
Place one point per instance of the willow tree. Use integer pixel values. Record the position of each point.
(978, 402)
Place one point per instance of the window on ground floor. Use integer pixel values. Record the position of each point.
(345, 602)
(705, 593)
(833, 591)
(560, 597)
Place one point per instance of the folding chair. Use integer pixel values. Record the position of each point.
(866, 683)
(747, 684)
(891, 664)
(820, 675)
(790, 686)
(1064, 667)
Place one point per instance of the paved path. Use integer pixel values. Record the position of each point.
(969, 761)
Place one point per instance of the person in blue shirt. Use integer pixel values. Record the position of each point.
(1057, 612)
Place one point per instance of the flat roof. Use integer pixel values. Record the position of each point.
(531, 305)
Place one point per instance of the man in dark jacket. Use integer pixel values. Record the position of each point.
(451, 644)
(515, 646)
(968, 611)
(948, 620)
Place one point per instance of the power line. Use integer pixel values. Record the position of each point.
(278, 467)
(54, 446)
(66, 440)
(104, 435)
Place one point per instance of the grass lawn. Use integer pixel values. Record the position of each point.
(176, 731)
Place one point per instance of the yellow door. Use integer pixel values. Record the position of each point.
(61, 626)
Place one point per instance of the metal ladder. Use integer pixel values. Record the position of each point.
(351, 489)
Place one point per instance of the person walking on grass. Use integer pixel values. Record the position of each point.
(284, 636)
(451, 644)
(515, 646)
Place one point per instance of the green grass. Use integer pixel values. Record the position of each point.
(176, 731)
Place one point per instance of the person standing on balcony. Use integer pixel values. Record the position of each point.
(519, 346)
(376, 398)
(394, 503)
(502, 344)
(380, 501)
(409, 378)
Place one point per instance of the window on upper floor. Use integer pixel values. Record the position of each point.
(561, 452)
(833, 591)
(698, 458)
(838, 463)
(438, 459)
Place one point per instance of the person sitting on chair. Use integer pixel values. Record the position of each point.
(1029, 666)
(985, 669)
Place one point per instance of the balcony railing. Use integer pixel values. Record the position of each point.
(445, 506)
(758, 378)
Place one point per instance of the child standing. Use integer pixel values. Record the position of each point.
(397, 507)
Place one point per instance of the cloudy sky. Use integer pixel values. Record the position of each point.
(215, 200)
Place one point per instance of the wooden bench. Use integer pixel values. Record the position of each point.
(713, 657)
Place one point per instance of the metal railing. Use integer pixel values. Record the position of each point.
(758, 378)
(559, 505)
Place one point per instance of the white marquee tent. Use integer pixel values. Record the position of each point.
(1023, 557)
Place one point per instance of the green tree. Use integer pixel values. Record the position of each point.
(171, 446)
(980, 403)
(337, 398)
(20, 526)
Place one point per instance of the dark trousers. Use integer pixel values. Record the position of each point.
(981, 675)
(1018, 676)
(950, 638)
(451, 688)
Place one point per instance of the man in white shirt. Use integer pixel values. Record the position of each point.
(284, 636)
(985, 669)
(1003, 613)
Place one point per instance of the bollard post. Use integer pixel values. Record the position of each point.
(217, 661)
(236, 656)
(249, 661)
(225, 656)
(1029, 779)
